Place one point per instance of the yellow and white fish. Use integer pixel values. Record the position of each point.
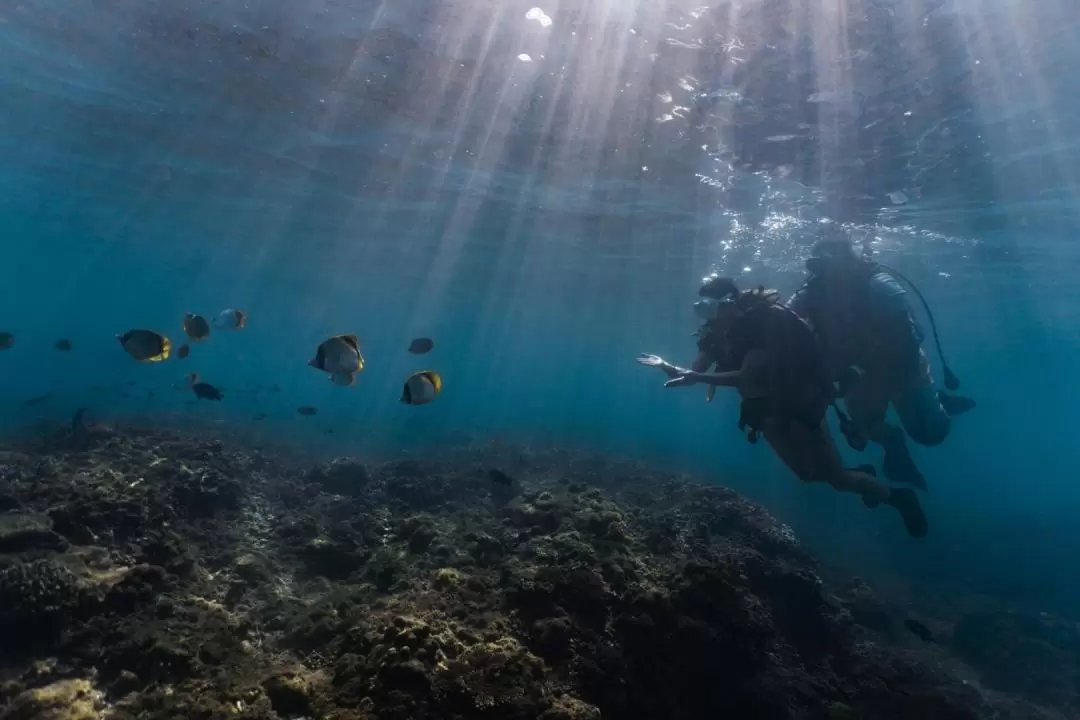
(231, 319)
(340, 357)
(421, 388)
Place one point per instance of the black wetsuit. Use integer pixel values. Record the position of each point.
(799, 387)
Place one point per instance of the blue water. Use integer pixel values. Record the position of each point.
(400, 169)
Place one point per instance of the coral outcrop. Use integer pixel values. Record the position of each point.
(154, 575)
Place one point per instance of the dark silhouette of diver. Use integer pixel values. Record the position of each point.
(872, 347)
(756, 344)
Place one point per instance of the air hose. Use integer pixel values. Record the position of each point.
(951, 381)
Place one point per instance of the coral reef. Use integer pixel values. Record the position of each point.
(153, 575)
(38, 600)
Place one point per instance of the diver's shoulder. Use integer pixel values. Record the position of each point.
(880, 281)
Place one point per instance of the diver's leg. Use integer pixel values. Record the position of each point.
(867, 402)
(921, 412)
(812, 455)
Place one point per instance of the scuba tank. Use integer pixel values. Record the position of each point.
(952, 382)
(833, 248)
(836, 249)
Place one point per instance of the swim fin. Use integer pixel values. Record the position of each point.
(898, 466)
(955, 404)
(907, 504)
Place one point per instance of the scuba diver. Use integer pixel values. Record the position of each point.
(872, 346)
(754, 343)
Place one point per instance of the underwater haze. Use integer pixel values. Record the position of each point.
(539, 186)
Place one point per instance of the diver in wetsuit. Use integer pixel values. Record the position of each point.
(872, 346)
(769, 354)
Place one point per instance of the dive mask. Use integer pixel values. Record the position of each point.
(707, 308)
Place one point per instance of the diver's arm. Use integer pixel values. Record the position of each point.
(722, 379)
(753, 366)
(702, 362)
(745, 378)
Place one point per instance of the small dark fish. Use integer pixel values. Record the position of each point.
(917, 628)
(206, 391)
(79, 419)
(421, 346)
(261, 416)
(7, 341)
(498, 476)
(37, 400)
(196, 327)
(63, 345)
(307, 410)
(183, 351)
(275, 388)
(146, 345)
(150, 394)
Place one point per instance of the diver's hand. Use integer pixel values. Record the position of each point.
(682, 378)
(658, 362)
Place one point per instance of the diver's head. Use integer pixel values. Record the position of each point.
(834, 252)
(718, 288)
(716, 293)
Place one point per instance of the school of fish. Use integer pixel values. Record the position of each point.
(338, 356)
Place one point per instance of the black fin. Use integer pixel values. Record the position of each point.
(955, 404)
(898, 466)
(907, 504)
